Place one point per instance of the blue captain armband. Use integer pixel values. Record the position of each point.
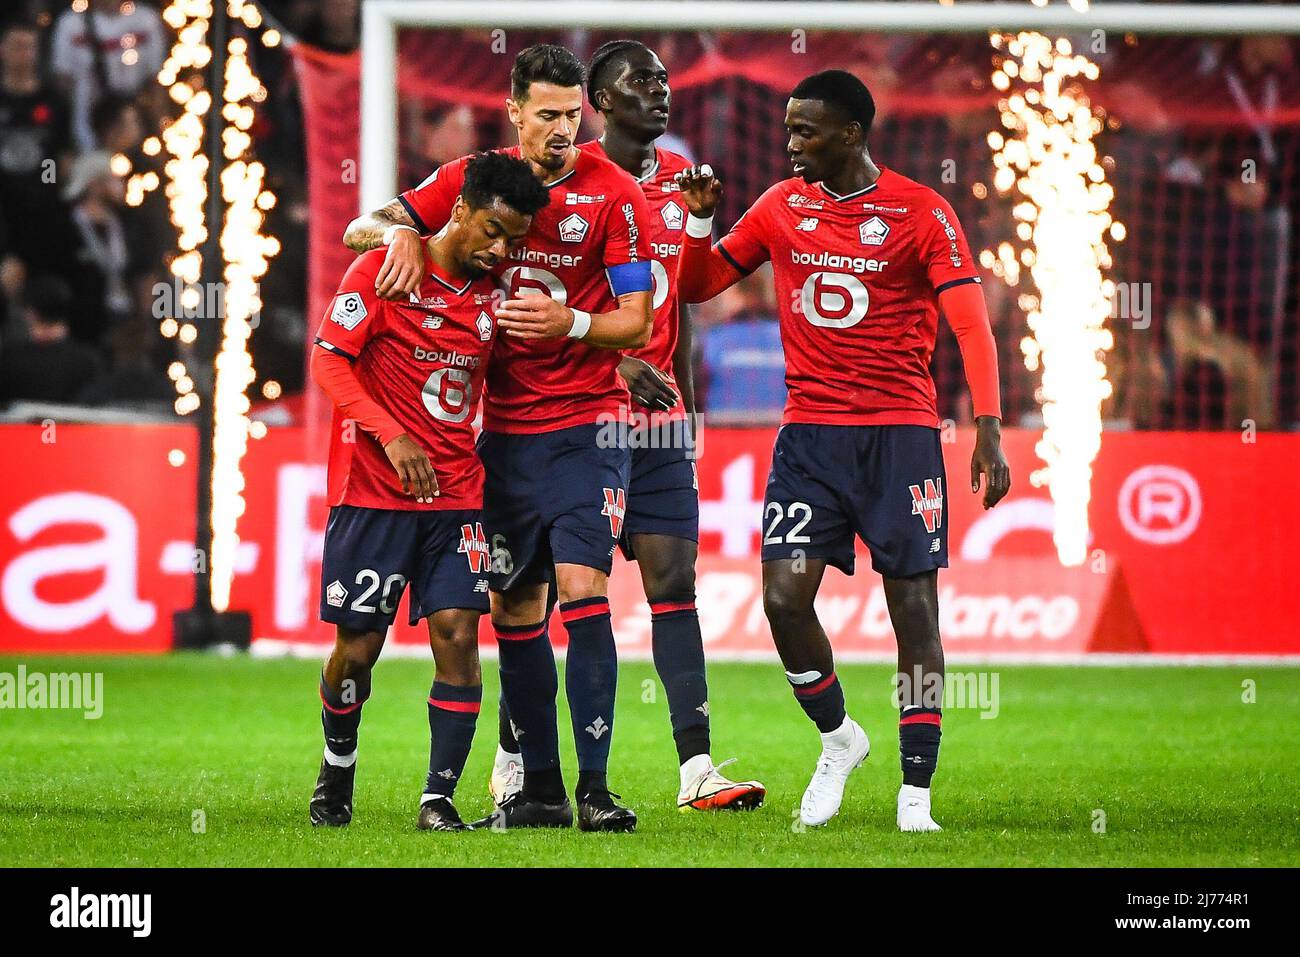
(630, 277)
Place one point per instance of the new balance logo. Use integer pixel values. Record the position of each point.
(808, 224)
(480, 586)
(615, 507)
(597, 728)
(447, 774)
(474, 546)
(934, 546)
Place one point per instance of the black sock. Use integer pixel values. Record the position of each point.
(678, 652)
(822, 699)
(529, 685)
(453, 711)
(590, 679)
(590, 782)
(340, 714)
(918, 744)
(505, 734)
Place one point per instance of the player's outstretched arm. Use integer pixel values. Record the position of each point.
(403, 266)
(541, 317)
(702, 271)
(963, 307)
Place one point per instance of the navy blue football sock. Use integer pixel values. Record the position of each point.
(678, 652)
(505, 734)
(590, 679)
(340, 714)
(821, 698)
(919, 732)
(453, 710)
(529, 684)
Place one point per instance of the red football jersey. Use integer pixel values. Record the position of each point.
(667, 225)
(596, 219)
(857, 281)
(424, 362)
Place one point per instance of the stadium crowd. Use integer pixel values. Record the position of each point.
(1211, 205)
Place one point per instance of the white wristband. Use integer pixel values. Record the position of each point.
(581, 324)
(391, 232)
(698, 228)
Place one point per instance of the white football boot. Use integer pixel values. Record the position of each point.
(914, 809)
(710, 791)
(843, 749)
(507, 776)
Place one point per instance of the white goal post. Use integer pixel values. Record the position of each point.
(381, 19)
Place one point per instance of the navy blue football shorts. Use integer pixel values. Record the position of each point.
(882, 483)
(663, 496)
(372, 554)
(553, 498)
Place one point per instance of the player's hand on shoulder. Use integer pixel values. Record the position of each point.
(701, 190)
(403, 267)
(413, 468)
(535, 316)
(988, 462)
(649, 386)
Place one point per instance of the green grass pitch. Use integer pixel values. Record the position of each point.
(1184, 771)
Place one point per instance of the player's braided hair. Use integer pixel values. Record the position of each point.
(842, 90)
(544, 63)
(607, 55)
(493, 176)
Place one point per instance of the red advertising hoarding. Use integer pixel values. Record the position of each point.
(1190, 536)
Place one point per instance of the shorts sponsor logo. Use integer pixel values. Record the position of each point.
(928, 503)
(615, 507)
(873, 232)
(348, 310)
(474, 546)
(573, 228)
(336, 594)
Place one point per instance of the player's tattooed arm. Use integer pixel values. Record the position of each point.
(988, 462)
(649, 386)
(366, 232)
(403, 266)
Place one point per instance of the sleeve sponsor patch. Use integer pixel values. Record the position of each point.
(349, 310)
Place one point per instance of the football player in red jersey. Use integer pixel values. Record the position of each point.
(556, 481)
(863, 261)
(405, 484)
(628, 84)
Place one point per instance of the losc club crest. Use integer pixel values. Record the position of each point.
(572, 228)
(484, 324)
(673, 216)
(873, 232)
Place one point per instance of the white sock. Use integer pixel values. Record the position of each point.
(841, 737)
(504, 758)
(910, 791)
(340, 761)
(694, 767)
